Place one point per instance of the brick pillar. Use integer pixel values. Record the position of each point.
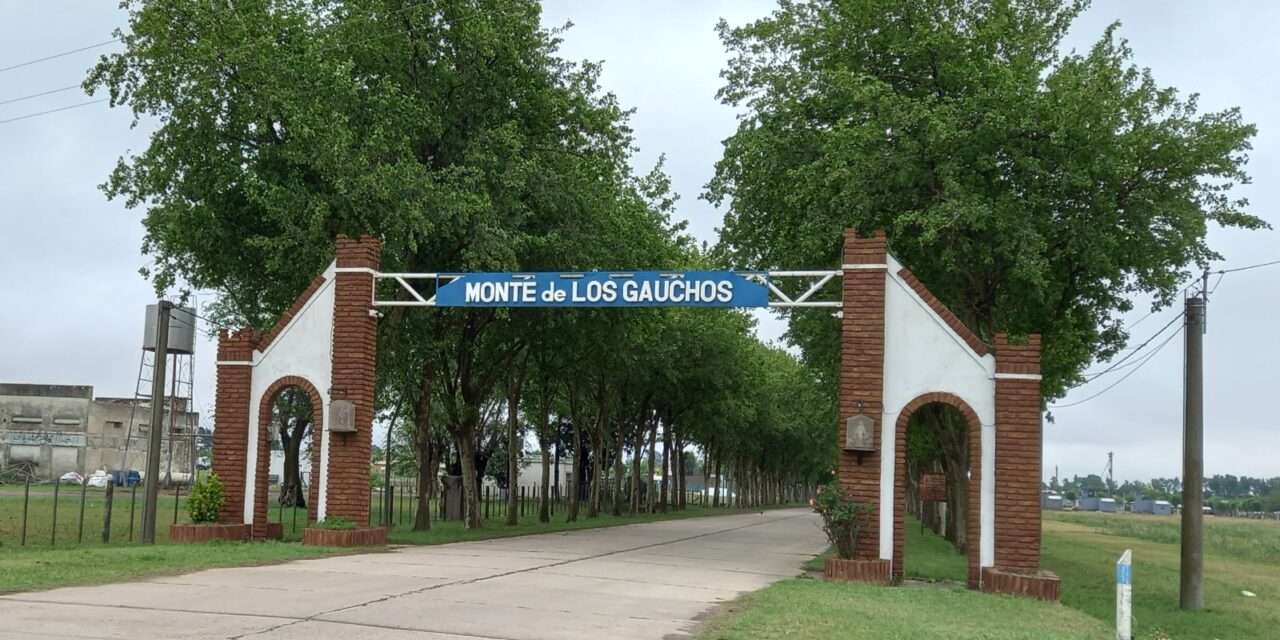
(231, 421)
(355, 332)
(1018, 454)
(862, 372)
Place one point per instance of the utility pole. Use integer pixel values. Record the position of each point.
(1191, 593)
(157, 422)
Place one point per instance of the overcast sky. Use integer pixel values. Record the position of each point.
(72, 302)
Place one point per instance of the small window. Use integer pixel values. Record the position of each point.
(142, 428)
(115, 424)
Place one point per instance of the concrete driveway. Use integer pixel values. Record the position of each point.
(638, 581)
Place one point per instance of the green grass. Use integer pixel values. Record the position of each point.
(1252, 540)
(36, 568)
(1082, 550)
(806, 609)
(928, 556)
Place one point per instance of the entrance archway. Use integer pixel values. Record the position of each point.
(900, 348)
(262, 527)
(973, 507)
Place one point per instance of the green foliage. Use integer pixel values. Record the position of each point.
(1032, 191)
(843, 518)
(334, 522)
(206, 500)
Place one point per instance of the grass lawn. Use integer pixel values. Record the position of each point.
(1239, 555)
(1080, 547)
(928, 556)
(807, 609)
(44, 568)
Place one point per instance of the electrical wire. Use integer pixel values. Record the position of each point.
(1113, 385)
(48, 111)
(42, 93)
(59, 55)
(1252, 266)
(1116, 365)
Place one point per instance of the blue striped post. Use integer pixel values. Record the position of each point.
(1124, 596)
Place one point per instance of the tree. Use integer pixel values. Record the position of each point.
(1033, 192)
(292, 415)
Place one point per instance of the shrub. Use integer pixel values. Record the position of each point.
(843, 518)
(206, 500)
(335, 523)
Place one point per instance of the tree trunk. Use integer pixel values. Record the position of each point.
(618, 467)
(651, 491)
(424, 446)
(637, 454)
(573, 489)
(470, 489)
(513, 453)
(291, 493)
(666, 466)
(715, 498)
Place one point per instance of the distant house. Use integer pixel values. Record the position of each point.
(1051, 501)
(1107, 505)
(1088, 504)
(1156, 507)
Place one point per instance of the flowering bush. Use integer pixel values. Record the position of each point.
(843, 518)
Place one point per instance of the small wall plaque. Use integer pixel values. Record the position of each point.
(859, 434)
(342, 416)
(933, 487)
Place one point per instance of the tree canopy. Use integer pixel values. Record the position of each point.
(1032, 190)
(455, 132)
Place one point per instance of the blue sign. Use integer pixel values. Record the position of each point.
(604, 289)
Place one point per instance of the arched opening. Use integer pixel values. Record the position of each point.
(290, 423)
(937, 490)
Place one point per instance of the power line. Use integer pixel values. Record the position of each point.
(1091, 377)
(59, 55)
(42, 93)
(1113, 385)
(1246, 268)
(48, 111)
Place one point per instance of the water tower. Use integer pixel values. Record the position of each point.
(179, 437)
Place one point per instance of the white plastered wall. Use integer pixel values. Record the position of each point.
(304, 348)
(922, 354)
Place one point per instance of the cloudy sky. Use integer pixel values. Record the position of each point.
(72, 302)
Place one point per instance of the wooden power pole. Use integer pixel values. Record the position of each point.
(1191, 593)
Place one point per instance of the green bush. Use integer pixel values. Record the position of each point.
(335, 523)
(843, 518)
(206, 499)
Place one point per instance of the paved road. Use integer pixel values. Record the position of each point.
(638, 581)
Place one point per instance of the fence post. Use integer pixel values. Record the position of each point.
(177, 493)
(108, 499)
(1124, 596)
(53, 530)
(26, 499)
(84, 488)
(133, 501)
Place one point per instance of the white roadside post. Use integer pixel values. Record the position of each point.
(1124, 596)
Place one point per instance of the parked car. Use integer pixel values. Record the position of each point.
(99, 480)
(126, 478)
(71, 477)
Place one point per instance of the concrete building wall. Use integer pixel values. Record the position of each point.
(61, 428)
(43, 427)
